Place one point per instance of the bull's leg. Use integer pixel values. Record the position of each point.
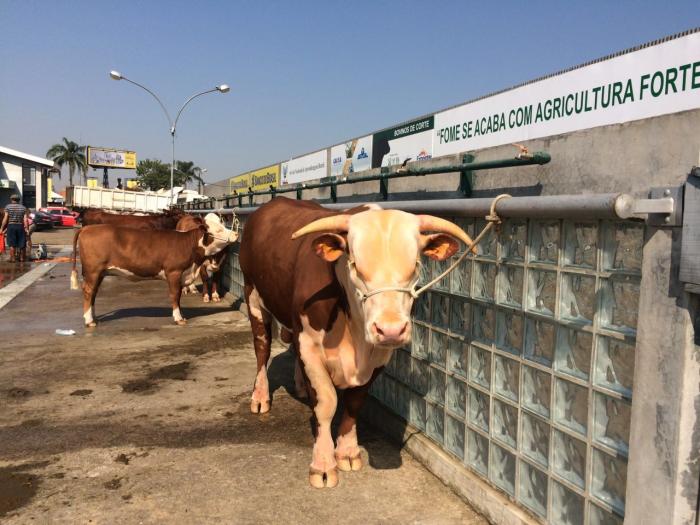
(299, 380)
(347, 451)
(175, 289)
(215, 289)
(323, 469)
(204, 276)
(91, 283)
(261, 325)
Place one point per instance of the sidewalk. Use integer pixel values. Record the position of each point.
(141, 421)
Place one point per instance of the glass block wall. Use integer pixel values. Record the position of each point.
(522, 361)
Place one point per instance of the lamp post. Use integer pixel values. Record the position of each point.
(223, 88)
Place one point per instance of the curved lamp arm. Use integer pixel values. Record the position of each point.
(174, 124)
(167, 115)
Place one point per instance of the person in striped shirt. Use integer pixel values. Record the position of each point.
(13, 223)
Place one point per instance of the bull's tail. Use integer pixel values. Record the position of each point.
(74, 272)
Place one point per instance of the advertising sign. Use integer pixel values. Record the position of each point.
(305, 168)
(413, 140)
(132, 184)
(239, 183)
(258, 180)
(655, 80)
(111, 158)
(351, 157)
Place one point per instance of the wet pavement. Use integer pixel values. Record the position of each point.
(142, 421)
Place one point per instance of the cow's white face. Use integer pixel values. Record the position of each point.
(220, 235)
(382, 250)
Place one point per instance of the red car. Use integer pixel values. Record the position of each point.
(62, 214)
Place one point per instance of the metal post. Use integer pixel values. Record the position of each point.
(334, 192)
(299, 192)
(384, 186)
(466, 177)
(105, 178)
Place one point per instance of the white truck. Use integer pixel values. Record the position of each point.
(118, 200)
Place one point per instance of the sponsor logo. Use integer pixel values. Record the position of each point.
(423, 155)
(337, 160)
(362, 154)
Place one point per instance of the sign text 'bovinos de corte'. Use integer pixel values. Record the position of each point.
(656, 80)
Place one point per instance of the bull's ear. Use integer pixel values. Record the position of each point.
(329, 246)
(439, 246)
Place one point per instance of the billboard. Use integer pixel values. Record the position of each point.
(655, 80)
(258, 180)
(239, 183)
(111, 158)
(412, 140)
(308, 167)
(351, 157)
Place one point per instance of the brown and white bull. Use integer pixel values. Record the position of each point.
(166, 220)
(173, 256)
(344, 294)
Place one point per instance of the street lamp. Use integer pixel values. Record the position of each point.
(223, 88)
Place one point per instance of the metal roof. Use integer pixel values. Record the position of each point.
(26, 156)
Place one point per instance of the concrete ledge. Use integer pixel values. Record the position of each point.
(489, 502)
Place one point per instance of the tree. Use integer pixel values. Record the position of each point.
(186, 171)
(69, 154)
(153, 174)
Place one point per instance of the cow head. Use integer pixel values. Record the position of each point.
(217, 236)
(377, 260)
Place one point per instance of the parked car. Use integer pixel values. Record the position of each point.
(42, 220)
(63, 214)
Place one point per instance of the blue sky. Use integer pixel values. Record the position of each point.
(303, 75)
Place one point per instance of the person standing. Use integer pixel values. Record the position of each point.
(13, 222)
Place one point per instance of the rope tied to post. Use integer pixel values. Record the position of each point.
(493, 220)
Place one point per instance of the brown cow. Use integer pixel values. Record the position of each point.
(345, 296)
(163, 221)
(174, 256)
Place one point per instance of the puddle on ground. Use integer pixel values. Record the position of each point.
(11, 271)
(82, 392)
(176, 372)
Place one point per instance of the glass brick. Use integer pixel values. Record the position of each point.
(502, 471)
(389, 392)
(609, 479)
(403, 401)
(421, 309)
(577, 298)
(480, 366)
(611, 422)
(622, 248)
(620, 304)
(505, 423)
(484, 283)
(598, 516)
(510, 285)
(417, 418)
(456, 401)
(569, 458)
(580, 244)
(467, 225)
(567, 506)
(436, 392)
(539, 341)
(457, 357)
(573, 352)
(440, 306)
(435, 423)
(420, 376)
(438, 268)
(614, 367)
(513, 240)
(483, 324)
(536, 390)
(479, 409)
(425, 270)
(478, 452)
(506, 379)
(419, 341)
(533, 489)
(571, 406)
(534, 439)
(487, 246)
(460, 316)
(438, 348)
(454, 436)
(461, 277)
(403, 366)
(509, 332)
(541, 291)
(544, 241)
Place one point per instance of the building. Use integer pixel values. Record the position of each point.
(24, 174)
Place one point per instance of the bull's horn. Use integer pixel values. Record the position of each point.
(335, 223)
(428, 223)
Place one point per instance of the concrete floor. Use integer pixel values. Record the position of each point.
(141, 421)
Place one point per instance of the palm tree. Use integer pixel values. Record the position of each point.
(70, 154)
(187, 172)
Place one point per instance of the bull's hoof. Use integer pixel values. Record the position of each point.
(181, 322)
(93, 324)
(348, 464)
(319, 479)
(205, 298)
(259, 407)
(216, 298)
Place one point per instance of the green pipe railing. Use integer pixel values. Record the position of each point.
(466, 169)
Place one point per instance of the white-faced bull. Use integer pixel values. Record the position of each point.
(342, 284)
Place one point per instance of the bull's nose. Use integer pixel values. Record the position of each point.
(390, 332)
